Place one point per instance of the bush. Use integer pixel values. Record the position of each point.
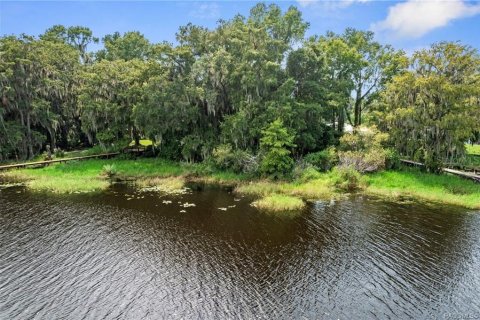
(307, 174)
(59, 153)
(371, 161)
(363, 150)
(110, 170)
(323, 160)
(239, 161)
(363, 138)
(348, 179)
(106, 137)
(222, 156)
(392, 159)
(191, 147)
(274, 145)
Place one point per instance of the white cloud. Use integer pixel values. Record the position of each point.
(209, 10)
(415, 18)
(329, 4)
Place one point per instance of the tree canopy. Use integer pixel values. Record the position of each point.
(243, 84)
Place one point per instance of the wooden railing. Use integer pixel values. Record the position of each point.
(46, 162)
(467, 175)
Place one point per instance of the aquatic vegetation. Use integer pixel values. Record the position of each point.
(168, 177)
(188, 205)
(315, 189)
(171, 185)
(278, 203)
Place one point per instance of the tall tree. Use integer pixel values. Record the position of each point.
(434, 108)
(37, 78)
(130, 45)
(110, 91)
(78, 37)
(374, 66)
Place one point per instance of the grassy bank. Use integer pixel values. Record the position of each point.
(93, 175)
(412, 183)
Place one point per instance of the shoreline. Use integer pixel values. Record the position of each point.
(394, 185)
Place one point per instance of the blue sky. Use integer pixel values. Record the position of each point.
(407, 24)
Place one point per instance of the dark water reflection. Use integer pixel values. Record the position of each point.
(106, 257)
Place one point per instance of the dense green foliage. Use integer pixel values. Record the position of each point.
(435, 107)
(251, 95)
(364, 150)
(274, 145)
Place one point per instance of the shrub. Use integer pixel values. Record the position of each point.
(106, 137)
(309, 174)
(191, 147)
(222, 156)
(274, 145)
(363, 150)
(347, 179)
(110, 170)
(59, 153)
(392, 159)
(323, 160)
(239, 161)
(363, 138)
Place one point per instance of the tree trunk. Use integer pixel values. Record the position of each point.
(341, 120)
(358, 109)
(29, 138)
(136, 137)
(333, 120)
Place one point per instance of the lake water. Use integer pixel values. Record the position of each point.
(123, 254)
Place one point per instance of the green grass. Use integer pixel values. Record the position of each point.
(473, 149)
(56, 180)
(90, 175)
(143, 142)
(310, 190)
(279, 203)
(412, 183)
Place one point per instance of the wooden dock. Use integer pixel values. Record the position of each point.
(463, 174)
(467, 175)
(47, 162)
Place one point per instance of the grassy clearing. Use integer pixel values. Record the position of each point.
(412, 183)
(279, 203)
(143, 142)
(473, 149)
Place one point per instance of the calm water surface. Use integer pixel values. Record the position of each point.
(128, 255)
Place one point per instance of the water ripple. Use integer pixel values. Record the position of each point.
(103, 257)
